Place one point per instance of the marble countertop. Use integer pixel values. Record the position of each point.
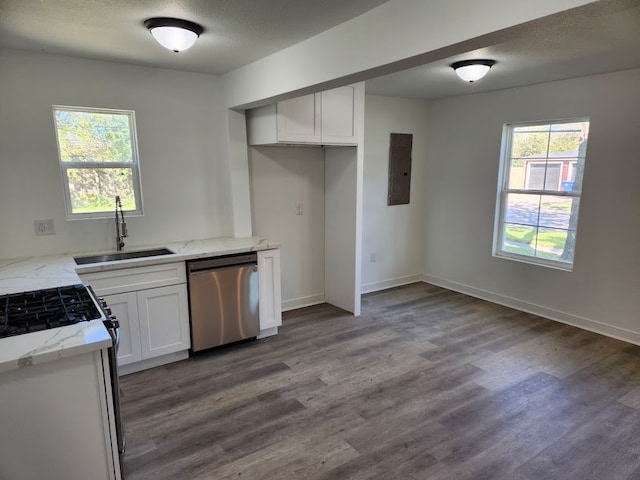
(35, 273)
(23, 351)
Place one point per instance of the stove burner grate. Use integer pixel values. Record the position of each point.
(43, 309)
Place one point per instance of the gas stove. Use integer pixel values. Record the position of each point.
(27, 312)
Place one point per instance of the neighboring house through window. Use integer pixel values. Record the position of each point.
(98, 155)
(540, 188)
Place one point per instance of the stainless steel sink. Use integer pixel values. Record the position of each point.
(112, 257)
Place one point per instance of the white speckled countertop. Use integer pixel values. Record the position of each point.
(40, 347)
(35, 273)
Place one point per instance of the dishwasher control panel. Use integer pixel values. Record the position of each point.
(223, 261)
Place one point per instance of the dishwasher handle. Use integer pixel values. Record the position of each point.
(224, 261)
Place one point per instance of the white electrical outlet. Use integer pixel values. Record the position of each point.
(373, 257)
(44, 227)
(299, 209)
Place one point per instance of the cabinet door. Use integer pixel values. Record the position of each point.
(338, 116)
(125, 307)
(164, 320)
(269, 296)
(299, 119)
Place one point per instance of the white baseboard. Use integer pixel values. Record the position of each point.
(303, 302)
(557, 315)
(152, 362)
(392, 282)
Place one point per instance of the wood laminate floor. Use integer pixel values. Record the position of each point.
(426, 384)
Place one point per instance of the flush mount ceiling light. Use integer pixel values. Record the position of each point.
(472, 70)
(173, 33)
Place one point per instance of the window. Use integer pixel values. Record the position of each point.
(540, 187)
(98, 156)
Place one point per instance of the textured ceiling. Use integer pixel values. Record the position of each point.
(601, 37)
(237, 32)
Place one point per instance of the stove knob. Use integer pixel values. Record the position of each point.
(107, 310)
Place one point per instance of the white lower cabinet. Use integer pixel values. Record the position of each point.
(164, 320)
(125, 307)
(151, 306)
(270, 292)
(153, 322)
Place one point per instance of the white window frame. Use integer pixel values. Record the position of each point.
(504, 190)
(134, 165)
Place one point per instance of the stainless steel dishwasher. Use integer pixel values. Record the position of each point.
(223, 300)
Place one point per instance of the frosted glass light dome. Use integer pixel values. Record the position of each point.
(174, 34)
(472, 70)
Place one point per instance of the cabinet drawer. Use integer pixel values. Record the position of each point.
(140, 278)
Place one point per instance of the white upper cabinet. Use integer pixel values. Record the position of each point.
(337, 116)
(298, 119)
(325, 118)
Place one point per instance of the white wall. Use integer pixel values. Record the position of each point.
(282, 178)
(393, 233)
(463, 148)
(237, 166)
(181, 136)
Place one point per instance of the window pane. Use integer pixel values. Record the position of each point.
(93, 190)
(566, 138)
(552, 177)
(541, 175)
(519, 239)
(573, 182)
(93, 136)
(556, 211)
(517, 174)
(529, 143)
(551, 243)
(522, 209)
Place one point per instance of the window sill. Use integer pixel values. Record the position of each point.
(539, 262)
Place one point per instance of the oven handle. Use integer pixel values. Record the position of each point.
(116, 328)
(113, 327)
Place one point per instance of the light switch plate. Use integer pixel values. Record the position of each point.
(44, 227)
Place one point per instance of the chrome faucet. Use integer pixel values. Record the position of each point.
(121, 225)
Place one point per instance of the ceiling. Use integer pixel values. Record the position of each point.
(237, 32)
(598, 38)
